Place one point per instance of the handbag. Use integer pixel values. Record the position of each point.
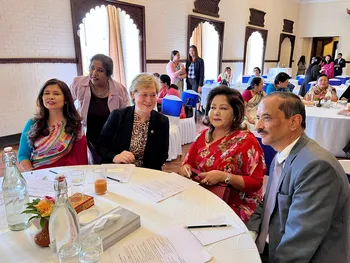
(222, 190)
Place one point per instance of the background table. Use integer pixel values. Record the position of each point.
(191, 206)
(328, 129)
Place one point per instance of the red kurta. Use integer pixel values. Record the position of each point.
(238, 153)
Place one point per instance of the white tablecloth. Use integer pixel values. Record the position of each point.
(274, 71)
(194, 205)
(328, 129)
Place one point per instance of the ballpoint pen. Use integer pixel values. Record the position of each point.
(114, 179)
(207, 226)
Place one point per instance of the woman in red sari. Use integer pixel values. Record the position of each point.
(227, 158)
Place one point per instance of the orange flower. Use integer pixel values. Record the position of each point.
(45, 207)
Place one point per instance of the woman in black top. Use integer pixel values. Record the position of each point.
(194, 70)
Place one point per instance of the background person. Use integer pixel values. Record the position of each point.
(176, 70)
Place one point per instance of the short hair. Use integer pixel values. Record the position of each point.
(156, 74)
(235, 99)
(257, 69)
(227, 68)
(291, 105)
(165, 78)
(143, 80)
(341, 54)
(322, 75)
(281, 77)
(255, 82)
(173, 54)
(107, 63)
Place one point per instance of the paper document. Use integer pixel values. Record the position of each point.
(121, 172)
(211, 235)
(169, 248)
(40, 183)
(161, 189)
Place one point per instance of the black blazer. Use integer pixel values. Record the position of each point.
(198, 70)
(116, 137)
(339, 70)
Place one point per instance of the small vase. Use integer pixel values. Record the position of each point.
(42, 238)
(319, 103)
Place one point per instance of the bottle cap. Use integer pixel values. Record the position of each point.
(60, 182)
(8, 149)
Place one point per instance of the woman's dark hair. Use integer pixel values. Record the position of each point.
(189, 58)
(257, 69)
(255, 82)
(155, 74)
(165, 79)
(173, 54)
(235, 99)
(302, 60)
(330, 59)
(227, 68)
(281, 77)
(40, 126)
(322, 75)
(107, 63)
(174, 86)
(317, 61)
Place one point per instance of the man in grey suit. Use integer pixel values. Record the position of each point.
(304, 216)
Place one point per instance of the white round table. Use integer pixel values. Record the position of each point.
(328, 129)
(190, 206)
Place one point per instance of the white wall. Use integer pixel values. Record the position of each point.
(43, 28)
(327, 19)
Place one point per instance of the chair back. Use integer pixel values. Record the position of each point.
(190, 98)
(171, 105)
(269, 154)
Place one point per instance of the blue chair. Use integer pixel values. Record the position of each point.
(301, 80)
(245, 78)
(210, 81)
(269, 153)
(309, 85)
(190, 98)
(343, 79)
(265, 76)
(300, 76)
(171, 105)
(335, 82)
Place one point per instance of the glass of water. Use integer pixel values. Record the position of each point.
(78, 181)
(69, 253)
(91, 250)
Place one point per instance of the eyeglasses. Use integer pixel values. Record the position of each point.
(145, 95)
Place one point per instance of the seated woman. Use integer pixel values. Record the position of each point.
(225, 76)
(322, 89)
(252, 97)
(280, 84)
(54, 136)
(228, 159)
(257, 73)
(164, 81)
(137, 134)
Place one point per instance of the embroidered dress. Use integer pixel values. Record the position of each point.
(49, 149)
(139, 139)
(238, 153)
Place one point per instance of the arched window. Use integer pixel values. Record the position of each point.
(254, 49)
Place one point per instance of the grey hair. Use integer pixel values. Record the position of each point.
(107, 63)
(291, 105)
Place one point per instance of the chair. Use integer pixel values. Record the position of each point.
(171, 105)
(335, 82)
(346, 166)
(299, 77)
(205, 92)
(343, 79)
(269, 154)
(245, 79)
(188, 129)
(190, 98)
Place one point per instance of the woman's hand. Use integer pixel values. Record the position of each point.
(199, 89)
(185, 170)
(26, 165)
(213, 177)
(251, 120)
(124, 157)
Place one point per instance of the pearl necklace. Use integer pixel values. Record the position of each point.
(100, 94)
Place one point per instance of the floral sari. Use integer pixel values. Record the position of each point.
(51, 148)
(238, 153)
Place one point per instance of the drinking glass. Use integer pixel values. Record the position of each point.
(78, 181)
(69, 253)
(348, 106)
(100, 181)
(91, 249)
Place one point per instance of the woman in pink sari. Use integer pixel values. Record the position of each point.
(226, 158)
(328, 67)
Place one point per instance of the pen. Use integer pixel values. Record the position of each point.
(206, 226)
(188, 173)
(114, 179)
(52, 172)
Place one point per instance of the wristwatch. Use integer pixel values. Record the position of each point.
(227, 180)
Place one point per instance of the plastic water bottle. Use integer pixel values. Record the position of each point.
(64, 225)
(15, 193)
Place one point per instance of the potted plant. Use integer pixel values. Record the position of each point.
(41, 209)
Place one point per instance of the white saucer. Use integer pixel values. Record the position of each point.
(89, 215)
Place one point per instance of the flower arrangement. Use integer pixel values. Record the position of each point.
(41, 209)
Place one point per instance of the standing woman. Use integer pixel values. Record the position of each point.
(194, 70)
(301, 66)
(328, 67)
(54, 137)
(97, 95)
(176, 70)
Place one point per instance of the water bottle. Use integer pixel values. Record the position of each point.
(63, 225)
(15, 193)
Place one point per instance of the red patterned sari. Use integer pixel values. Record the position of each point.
(238, 153)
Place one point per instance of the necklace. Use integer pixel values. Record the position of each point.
(100, 94)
